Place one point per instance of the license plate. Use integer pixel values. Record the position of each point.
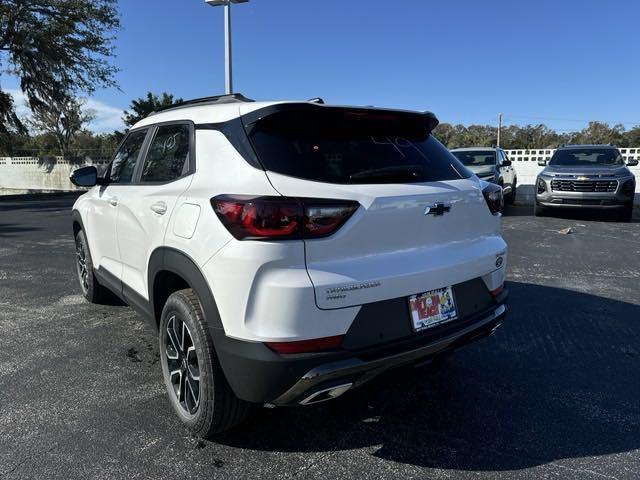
(432, 308)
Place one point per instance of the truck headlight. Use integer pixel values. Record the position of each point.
(629, 187)
(541, 186)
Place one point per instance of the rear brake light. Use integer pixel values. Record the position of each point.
(306, 346)
(281, 218)
(494, 198)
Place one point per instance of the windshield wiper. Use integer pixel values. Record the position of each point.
(404, 173)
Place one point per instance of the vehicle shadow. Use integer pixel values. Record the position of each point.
(518, 210)
(558, 380)
(522, 210)
(590, 215)
(13, 230)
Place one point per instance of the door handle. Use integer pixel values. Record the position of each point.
(160, 208)
(113, 202)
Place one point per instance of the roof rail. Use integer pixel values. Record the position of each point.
(214, 100)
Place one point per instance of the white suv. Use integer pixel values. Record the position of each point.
(287, 252)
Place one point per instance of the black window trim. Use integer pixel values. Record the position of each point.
(235, 133)
(150, 135)
(107, 174)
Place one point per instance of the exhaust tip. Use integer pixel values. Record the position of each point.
(326, 394)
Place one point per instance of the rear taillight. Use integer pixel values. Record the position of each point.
(307, 346)
(281, 218)
(494, 198)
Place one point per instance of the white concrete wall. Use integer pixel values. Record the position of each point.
(527, 169)
(31, 174)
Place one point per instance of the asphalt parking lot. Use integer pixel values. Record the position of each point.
(553, 394)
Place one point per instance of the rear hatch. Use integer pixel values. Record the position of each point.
(422, 222)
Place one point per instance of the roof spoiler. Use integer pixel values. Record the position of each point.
(432, 121)
(426, 119)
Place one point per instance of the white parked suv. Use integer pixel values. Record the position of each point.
(287, 252)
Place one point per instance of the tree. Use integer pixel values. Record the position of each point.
(144, 106)
(632, 137)
(56, 49)
(63, 120)
(601, 133)
(95, 146)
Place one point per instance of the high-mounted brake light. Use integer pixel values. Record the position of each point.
(494, 198)
(306, 346)
(281, 218)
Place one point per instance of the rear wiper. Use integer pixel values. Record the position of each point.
(401, 173)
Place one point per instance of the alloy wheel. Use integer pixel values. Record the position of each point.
(81, 265)
(183, 367)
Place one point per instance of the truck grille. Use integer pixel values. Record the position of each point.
(600, 186)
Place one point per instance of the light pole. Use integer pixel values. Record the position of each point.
(228, 75)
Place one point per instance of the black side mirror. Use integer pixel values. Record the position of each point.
(542, 163)
(84, 177)
(632, 162)
(506, 163)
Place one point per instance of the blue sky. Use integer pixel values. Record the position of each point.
(466, 60)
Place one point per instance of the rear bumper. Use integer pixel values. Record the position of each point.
(260, 375)
(354, 372)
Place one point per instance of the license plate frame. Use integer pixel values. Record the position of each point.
(432, 308)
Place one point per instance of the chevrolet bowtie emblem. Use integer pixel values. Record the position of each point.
(437, 209)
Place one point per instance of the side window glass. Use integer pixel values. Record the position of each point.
(168, 155)
(124, 162)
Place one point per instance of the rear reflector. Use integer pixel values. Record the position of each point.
(281, 218)
(497, 291)
(306, 346)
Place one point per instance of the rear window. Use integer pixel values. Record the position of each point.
(476, 158)
(337, 145)
(586, 157)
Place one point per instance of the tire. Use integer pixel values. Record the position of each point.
(512, 195)
(216, 408)
(539, 210)
(626, 214)
(91, 289)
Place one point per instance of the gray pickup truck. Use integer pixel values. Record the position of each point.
(586, 176)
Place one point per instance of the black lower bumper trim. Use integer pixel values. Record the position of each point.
(357, 371)
(259, 375)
